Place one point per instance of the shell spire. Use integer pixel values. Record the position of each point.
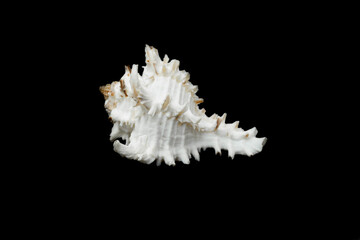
(158, 115)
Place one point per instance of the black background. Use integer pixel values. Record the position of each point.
(255, 64)
(239, 70)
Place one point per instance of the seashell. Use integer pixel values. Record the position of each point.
(158, 116)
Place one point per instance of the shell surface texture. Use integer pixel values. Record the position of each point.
(158, 116)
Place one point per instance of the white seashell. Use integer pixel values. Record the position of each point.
(157, 114)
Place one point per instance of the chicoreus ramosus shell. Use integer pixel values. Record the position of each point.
(158, 116)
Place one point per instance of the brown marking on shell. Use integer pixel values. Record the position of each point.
(180, 113)
(105, 90)
(138, 103)
(122, 86)
(218, 121)
(189, 125)
(136, 94)
(199, 101)
(246, 135)
(166, 102)
(128, 68)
